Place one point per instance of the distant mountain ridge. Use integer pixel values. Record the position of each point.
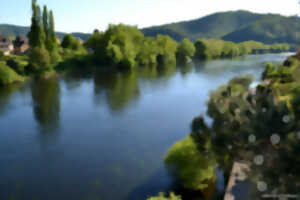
(14, 30)
(234, 26)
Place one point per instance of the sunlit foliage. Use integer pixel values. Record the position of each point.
(42, 38)
(8, 75)
(257, 125)
(213, 48)
(194, 169)
(161, 196)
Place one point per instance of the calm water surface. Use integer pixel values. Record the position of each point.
(104, 137)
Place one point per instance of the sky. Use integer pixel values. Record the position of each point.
(87, 15)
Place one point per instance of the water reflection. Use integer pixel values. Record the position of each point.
(185, 69)
(119, 89)
(157, 72)
(46, 103)
(6, 94)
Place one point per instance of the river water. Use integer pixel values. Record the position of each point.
(104, 137)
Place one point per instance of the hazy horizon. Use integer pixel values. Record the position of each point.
(99, 14)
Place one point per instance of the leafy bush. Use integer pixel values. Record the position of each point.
(8, 75)
(161, 196)
(39, 60)
(194, 169)
(69, 42)
(18, 65)
(126, 47)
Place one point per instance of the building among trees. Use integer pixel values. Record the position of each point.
(21, 45)
(6, 46)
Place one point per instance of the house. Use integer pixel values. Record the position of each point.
(6, 45)
(79, 40)
(21, 45)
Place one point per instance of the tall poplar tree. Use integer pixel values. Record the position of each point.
(45, 20)
(52, 34)
(36, 34)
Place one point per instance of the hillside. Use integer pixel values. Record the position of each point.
(13, 30)
(237, 26)
(270, 29)
(212, 26)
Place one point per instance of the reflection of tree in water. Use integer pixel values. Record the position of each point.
(186, 68)
(46, 102)
(119, 88)
(6, 93)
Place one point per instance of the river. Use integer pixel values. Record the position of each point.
(104, 137)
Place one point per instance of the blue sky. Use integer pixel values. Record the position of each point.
(86, 15)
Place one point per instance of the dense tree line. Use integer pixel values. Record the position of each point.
(127, 47)
(213, 48)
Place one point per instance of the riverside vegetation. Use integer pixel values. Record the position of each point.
(248, 123)
(239, 112)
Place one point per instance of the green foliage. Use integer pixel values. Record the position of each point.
(239, 112)
(45, 20)
(161, 196)
(1, 54)
(283, 74)
(213, 48)
(72, 47)
(36, 34)
(8, 75)
(69, 42)
(18, 65)
(167, 50)
(42, 36)
(185, 50)
(126, 47)
(194, 169)
(148, 52)
(39, 60)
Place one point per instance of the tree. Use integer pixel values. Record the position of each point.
(52, 34)
(39, 60)
(258, 126)
(69, 42)
(185, 50)
(36, 34)
(45, 20)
